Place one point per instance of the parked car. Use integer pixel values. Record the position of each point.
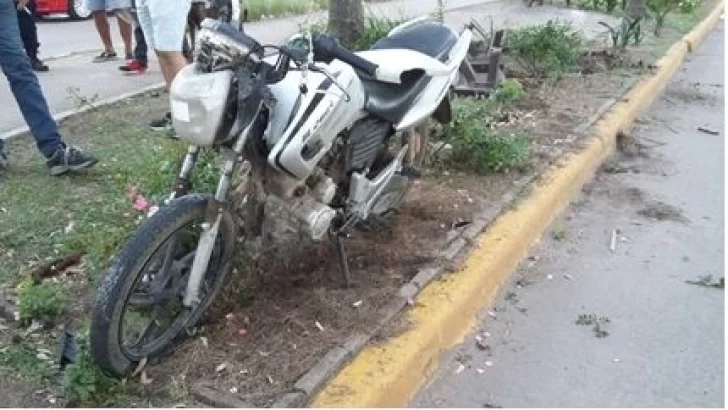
(75, 9)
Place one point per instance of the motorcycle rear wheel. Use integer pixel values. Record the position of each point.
(164, 235)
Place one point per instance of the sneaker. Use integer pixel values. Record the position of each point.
(38, 65)
(162, 124)
(105, 56)
(69, 159)
(134, 67)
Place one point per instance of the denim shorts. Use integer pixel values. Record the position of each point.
(96, 5)
(164, 22)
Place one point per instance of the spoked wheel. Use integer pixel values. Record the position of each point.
(138, 311)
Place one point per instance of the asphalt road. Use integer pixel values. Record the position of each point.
(665, 343)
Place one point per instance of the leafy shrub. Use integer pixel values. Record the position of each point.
(509, 91)
(689, 6)
(44, 301)
(475, 146)
(545, 49)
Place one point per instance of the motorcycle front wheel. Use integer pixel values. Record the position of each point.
(138, 311)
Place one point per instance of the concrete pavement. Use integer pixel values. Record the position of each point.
(69, 48)
(665, 346)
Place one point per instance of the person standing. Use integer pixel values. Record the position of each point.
(164, 23)
(99, 8)
(15, 64)
(29, 34)
(140, 61)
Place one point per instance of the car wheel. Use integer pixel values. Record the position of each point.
(77, 10)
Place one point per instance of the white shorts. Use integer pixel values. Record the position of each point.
(163, 22)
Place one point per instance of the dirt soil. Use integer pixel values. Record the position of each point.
(287, 306)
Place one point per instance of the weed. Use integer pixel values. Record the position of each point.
(44, 301)
(85, 383)
(21, 360)
(559, 233)
(475, 146)
(661, 8)
(545, 49)
(597, 323)
(508, 92)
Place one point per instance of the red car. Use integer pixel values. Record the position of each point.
(74, 8)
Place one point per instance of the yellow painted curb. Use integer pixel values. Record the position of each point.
(698, 34)
(390, 374)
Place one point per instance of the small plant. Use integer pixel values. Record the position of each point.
(44, 301)
(84, 382)
(629, 28)
(508, 92)
(475, 146)
(546, 49)
(596, 322)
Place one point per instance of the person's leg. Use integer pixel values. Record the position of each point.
(24, 85)
(125, 31)
(29, 34)
(98, 10)
(140, 50)
(169, 22)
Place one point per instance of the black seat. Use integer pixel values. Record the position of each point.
(392, 101)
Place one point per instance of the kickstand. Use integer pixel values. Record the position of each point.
(338, 241)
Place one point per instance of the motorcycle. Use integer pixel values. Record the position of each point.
(321, 131)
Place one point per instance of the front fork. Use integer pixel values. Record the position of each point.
(213, 216)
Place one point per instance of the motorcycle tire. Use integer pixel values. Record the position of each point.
(115, 290)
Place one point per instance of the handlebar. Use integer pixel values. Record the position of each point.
(328, 48)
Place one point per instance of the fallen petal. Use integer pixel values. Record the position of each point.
(141, 204)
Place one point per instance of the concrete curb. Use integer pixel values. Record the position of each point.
(62, 116)
(389, 374)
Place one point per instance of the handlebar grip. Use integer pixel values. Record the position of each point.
(330, 48)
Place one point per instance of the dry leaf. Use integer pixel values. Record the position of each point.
(139, 367)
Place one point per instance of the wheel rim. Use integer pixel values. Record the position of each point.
(153, 313)
(80, 9)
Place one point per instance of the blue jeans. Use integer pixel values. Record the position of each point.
(24, 83)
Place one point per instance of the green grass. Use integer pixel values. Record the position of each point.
(261, 9)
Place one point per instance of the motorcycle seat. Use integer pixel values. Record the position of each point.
(391, 102)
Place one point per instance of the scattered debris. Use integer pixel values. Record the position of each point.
(243, 331)
(595, 321)
(144, 379)
(220, 367)
(549, 277)
(69, 349)
(460, 368)
(270, 380)
(42, 356)
(34, 327)
(140, 367)
(488, 363)
(708, 131)
(707, 281)
(410, 301)
(613, 242)
(69, 228)
(480, 343)
(233, 390)
(204, 341)
(319, 326)
(568, 277)
(615, 360)
(492, 314)
(57, 267)
(358, 303)
(479, 371)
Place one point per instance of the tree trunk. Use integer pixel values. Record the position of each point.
(346, 20)
(636, 9)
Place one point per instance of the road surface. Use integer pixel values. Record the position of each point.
(665, 342)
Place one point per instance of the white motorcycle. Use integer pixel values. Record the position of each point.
(322, 131)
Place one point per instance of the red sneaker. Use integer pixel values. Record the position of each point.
(134, 67)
